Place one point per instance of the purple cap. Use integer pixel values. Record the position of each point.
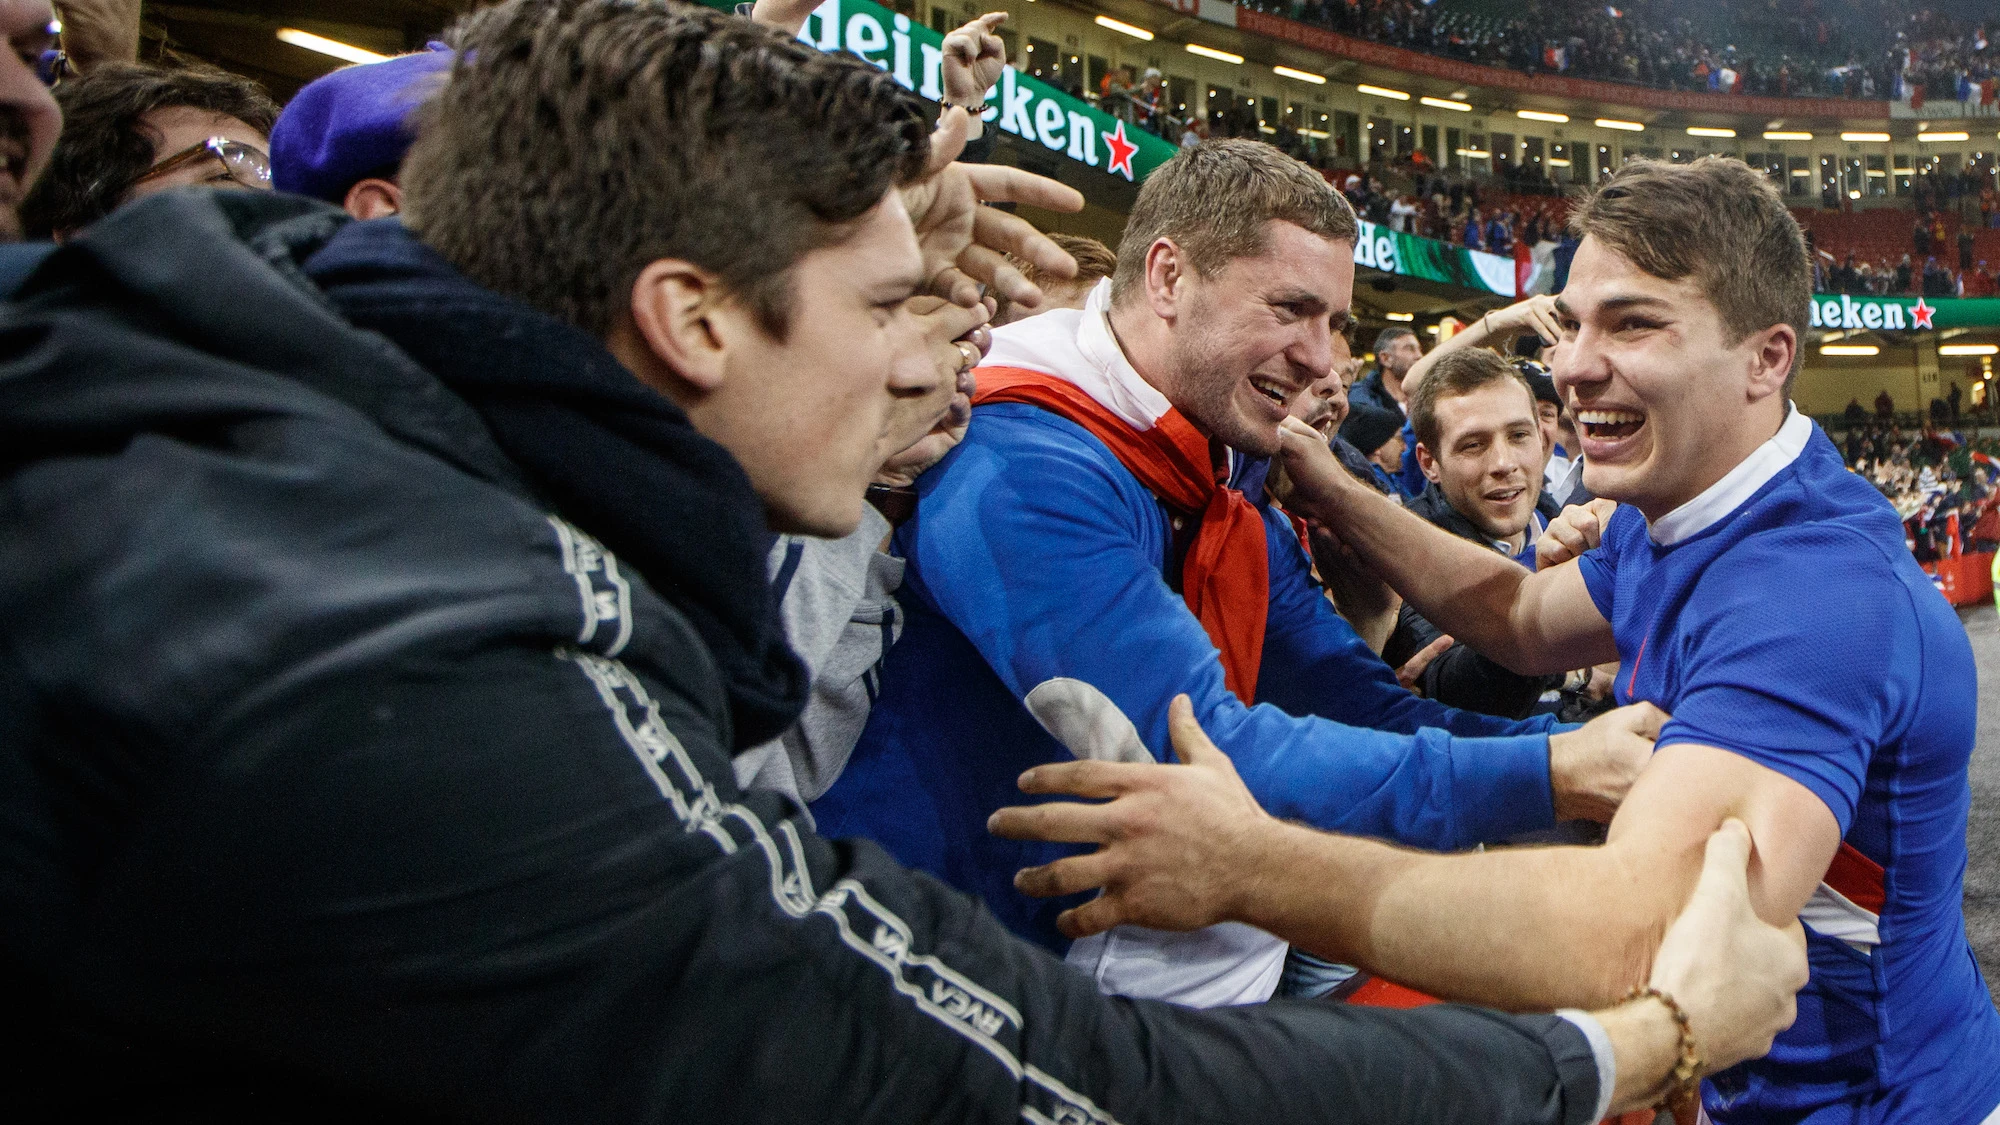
(353, 123)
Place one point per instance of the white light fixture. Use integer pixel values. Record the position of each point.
(1703, 131)
(1315, 134)
(1446, 103)
(1849, 349)
(1926, 138)
(1212, 53)
(1383, 92)
(345, 52)
(1558, 162)
(1539, 115)
(1783, 135)
(1969, 349)
(1853, 194)
(1866, 138)
(1301, 75)
(1412, 316)
(1614, 123)
(1474, 153)
(1123, 28)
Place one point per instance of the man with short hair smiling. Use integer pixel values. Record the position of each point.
(1742, 549)
(1480, 446)
(1100, 544)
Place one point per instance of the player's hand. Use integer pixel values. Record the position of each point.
(1576, 529)
(1593, 767)
(1313, 479)
(1413, 668)
(1176, 842)
(1734, 975)
(974, 56)
(964, 244)
(1367, 602)
(1536, 314)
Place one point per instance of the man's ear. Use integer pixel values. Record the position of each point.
(1166, 268)
(675, 307)
(1771, 354)
(373, 199)
(1428, 464)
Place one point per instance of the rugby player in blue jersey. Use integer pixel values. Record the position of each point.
(1751, 587)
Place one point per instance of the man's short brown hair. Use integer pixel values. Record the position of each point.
(1213, 200)
(1452, 375)
(1094, 263)
(1716, 220)
(579, 141)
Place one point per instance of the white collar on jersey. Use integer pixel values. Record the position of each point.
(1728, 494)
(1077, 345)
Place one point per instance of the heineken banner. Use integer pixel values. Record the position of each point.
(1025, 106)
(1903, 314)
(1407, 255)
(1040, 114)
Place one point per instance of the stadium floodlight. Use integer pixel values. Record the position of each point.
(1541, 115)
(1123, 28)
(1614, 123)
(1446, 103)
(1383, 92)
(1212, 53)
(1969, 349)
(1785, 135)
(1866, 138)
(1704, 131)
(1301, 75)
(1926, 138)
(1849, 349)
(345, 52)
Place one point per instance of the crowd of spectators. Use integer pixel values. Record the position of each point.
(1878, 49)
(1940, 481)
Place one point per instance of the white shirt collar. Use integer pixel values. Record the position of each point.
(1723, 497)
(1078, 345)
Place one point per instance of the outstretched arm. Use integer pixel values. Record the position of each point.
(1186, 846)
(1532, 623)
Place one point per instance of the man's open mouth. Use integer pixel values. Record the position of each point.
(1272, 389)
(1609, 425)
(1505, 495)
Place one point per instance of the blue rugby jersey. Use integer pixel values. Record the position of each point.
(1780, 616)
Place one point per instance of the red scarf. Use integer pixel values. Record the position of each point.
(1226, 577)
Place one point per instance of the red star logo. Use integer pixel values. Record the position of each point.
(1122, 150)
(1921, 314)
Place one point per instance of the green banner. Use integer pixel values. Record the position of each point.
(1020, 104)
(1903, 314)
(1407, 255)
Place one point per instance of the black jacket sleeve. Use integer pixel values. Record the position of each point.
(1461, 677)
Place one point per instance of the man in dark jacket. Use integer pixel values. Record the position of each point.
(1481, 448)
(377, 644)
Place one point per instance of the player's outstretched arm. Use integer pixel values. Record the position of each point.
(1186, 846)
(1532, 623)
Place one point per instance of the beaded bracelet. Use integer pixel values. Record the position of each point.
(1687, 1070)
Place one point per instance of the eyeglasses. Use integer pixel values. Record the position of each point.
(246, 164)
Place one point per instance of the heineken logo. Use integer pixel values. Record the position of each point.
(1020, 104)
(1888, 313)
(1375, 249)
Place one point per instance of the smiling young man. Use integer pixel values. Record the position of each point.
(1101, 543)
(1743, 545)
